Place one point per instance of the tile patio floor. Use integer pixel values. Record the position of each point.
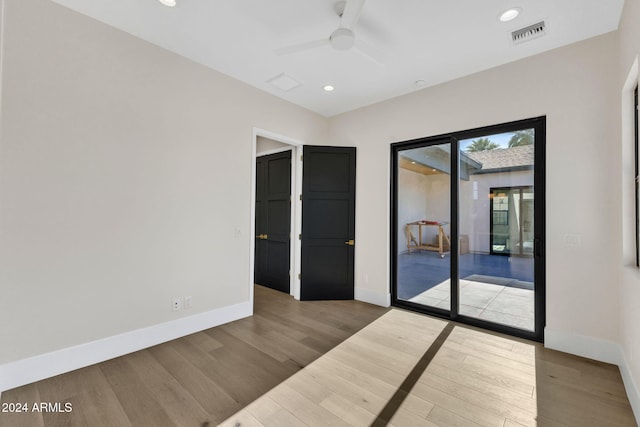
(496, 303)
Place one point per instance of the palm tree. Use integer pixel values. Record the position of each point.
(482, 144)
(522, 137)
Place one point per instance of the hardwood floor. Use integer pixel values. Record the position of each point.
(371, 366)
(202, 378)
(408, 369)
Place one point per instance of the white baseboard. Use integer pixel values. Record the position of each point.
(597, 349)
(630, 386)
(582, 345)
(36, 368)
(372, 297)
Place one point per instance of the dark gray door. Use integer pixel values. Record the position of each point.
(328, 222)
(273, 220)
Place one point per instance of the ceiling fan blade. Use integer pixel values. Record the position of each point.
(369, 52)
(351, 13)
(300, 47)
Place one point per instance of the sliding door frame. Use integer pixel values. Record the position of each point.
(539, 125)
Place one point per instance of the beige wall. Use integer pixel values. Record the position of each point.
(574, 88)
(422, 197)
(124, 172)
(629, 33)
(412, 202)
(267, 146)
(116, 158)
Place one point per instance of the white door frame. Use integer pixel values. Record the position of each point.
(2, 31)
(628, 167)
(296, 207)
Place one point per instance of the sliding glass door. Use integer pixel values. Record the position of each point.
(496, 273)
(468, 213)
(423, 226)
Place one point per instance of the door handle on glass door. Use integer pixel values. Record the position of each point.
(537, 247)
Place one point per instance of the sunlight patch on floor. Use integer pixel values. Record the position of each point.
(472, 378)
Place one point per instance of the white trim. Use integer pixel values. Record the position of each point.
(2, 27)
(382, 299)
(277, 137)
(296, 207)
(630, 386)
(296, 215)
(252, 217)
(582, 345)
(627, 172)
(273, 151)
(627, 169)
(596, 349)
(36, 368)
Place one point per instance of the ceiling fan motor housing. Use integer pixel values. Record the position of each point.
(342, 39)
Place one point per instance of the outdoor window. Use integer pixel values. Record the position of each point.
(511, 228)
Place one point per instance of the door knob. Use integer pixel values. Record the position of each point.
(350, 242)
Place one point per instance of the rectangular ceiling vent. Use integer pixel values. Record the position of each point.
(284, 82)
(528, 33)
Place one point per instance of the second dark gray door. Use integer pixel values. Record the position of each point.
(273, 221)
(328, 222)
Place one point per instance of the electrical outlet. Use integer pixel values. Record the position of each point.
(188, 302)
(573, 239)
(176, 304)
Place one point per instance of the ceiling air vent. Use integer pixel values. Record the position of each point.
(284, 82)
(528, 33)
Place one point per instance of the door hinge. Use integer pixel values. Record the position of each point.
(299, 236)
(301, 197)
(299, 276)
(300, 157)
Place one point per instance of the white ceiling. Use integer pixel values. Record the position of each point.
(430, 40)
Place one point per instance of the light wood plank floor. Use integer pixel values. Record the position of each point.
(202, 378)
(311, 363)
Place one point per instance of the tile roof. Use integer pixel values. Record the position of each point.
(504, 157)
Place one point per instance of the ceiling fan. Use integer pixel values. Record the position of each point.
(343, 38)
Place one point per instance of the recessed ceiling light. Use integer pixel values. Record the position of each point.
(509, 15)
(169, 3)
(328, 88)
